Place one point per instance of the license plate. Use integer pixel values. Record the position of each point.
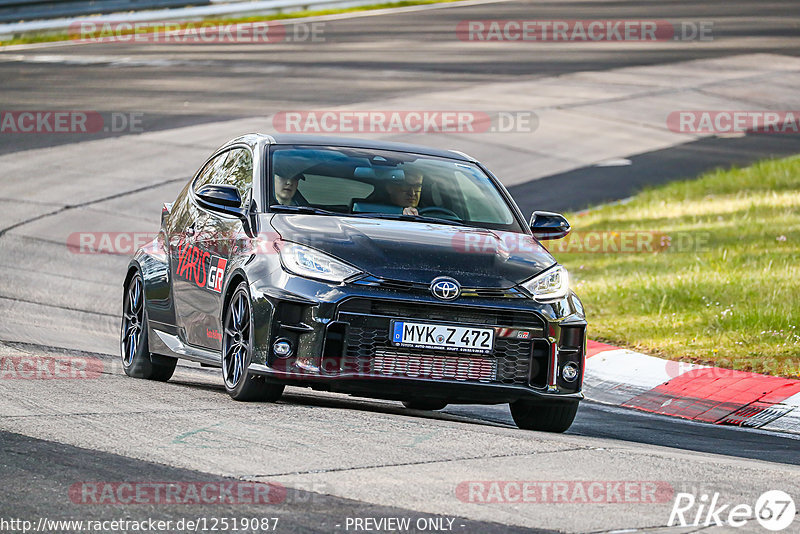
(442, 337)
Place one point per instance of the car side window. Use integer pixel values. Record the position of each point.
(233, 167)
(180, 210)
(239, 170)
(213, 172)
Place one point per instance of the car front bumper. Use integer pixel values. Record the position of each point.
(340, 342)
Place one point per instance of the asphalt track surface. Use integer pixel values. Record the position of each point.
(347, 457)
(298, 511)
(361, 59)
(598, 185)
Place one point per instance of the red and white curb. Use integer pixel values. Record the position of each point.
(711, 394)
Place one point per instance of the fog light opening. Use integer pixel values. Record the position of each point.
(569, 372)
(282, 348)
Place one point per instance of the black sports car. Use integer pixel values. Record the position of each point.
(376, 269)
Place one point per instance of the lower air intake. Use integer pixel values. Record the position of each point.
(390, 362)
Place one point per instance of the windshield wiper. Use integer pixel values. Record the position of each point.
(280, 208)
(414, 218)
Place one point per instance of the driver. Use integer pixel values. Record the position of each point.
(286, 189)
(407, 192)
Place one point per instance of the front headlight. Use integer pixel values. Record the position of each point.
(550, 285)
(310, 263)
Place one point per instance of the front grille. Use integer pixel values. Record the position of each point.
(416, 287)
(369, 352)
(362, 326)
(391, 362)
(450, 313)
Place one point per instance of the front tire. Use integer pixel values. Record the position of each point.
(237, 352)
(134, 347)
(546, 416)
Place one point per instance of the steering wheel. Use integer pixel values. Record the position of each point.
(440, 211)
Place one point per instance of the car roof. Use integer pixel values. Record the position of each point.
(316, 140)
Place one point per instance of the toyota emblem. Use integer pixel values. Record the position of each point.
(445, 288)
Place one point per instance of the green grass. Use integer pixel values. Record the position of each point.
(733, 301)
(48, 37)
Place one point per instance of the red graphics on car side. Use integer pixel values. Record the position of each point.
(201, 267)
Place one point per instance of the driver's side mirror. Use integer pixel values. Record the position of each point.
(548, 225)
(222, 198)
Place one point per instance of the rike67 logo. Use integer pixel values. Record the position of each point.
(201, 267)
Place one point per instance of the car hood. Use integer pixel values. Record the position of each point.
(419, 252)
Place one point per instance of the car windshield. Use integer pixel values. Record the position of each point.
(360, 182)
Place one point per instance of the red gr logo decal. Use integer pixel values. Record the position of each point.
(199, 266)
(216, 274)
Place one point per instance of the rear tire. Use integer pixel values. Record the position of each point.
(237, 352)
(424, 405)
(137, 361)
(546, 416)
